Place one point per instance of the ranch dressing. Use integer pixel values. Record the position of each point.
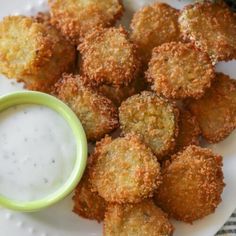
(37, 152)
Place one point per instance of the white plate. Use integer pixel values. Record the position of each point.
(59, 220)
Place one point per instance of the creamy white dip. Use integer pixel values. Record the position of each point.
(37, 152)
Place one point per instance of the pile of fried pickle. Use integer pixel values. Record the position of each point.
(155, 86)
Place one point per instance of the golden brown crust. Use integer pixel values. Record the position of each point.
(144, 219)
(119, 94)
(216, 110)
(124, 170)
(192, 184)
(178, 71)
(108, 57)
(97, 113)
(40, 61)
(212, 27)
(76, 18)
(154, 25)
(189, 131)
(153, 118)
(87, 203)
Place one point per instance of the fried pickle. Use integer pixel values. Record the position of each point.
(124, 170)
(179, 71)
(142, 219)
(108, 57)
(87, 203)
(192, 184)
(154, 25)
(75, 18)
(119, 94)
(212, 27)
(33, 53)
(189, 130)
(153, 118)
(216, 110)
(97, 113)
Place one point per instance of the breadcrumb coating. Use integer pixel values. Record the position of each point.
(192, 184)
(154, 25)
(75, 18)
(119, 94)
(189, 131)
(108, 57)
(153, 118)
(124, 170)
(142, 219)
(97, 113)
(179, 71)
(212, 27)
(88, 204)
(216, 110)
(33, 53)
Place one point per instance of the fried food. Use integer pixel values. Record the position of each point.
(124, 170)
(87, 203)
(75, 18)
(192, 184)
(189, 131)
(34, 53)
(43, 17)
(119, 94)
(154, 25)
(153, 118)
(144, 218)
(179, 70)
(108, 57)
(97, 113)
(212, 27)
(216, 110)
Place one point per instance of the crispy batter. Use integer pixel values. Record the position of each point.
(192, 184)
(124, 170)
(212, 27)
(142, 219)
(43, 17)
(154, 25)
(33, 52)
(75, 18)
(87, 203)
(153, 118)
(216, 110)
(108, 57)
(189, 131)
(179, 70)
(97, 113)
(119, 94)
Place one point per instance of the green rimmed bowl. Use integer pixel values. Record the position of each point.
(38, 98)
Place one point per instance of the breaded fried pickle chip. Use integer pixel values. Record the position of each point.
(212, 27)
(179, 70)
(142, 219)
(154, 25)
(32, 52)
(119, 94)
(153, 118)
(108, 57)
(87, 203)
(192, 184)
(124, 170)
(216, 110)
(189, 130)
(97, 113)
(75, 18)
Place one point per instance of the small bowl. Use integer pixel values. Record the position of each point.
(28, 97)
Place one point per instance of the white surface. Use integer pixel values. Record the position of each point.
(26, 130)
(60, 221)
